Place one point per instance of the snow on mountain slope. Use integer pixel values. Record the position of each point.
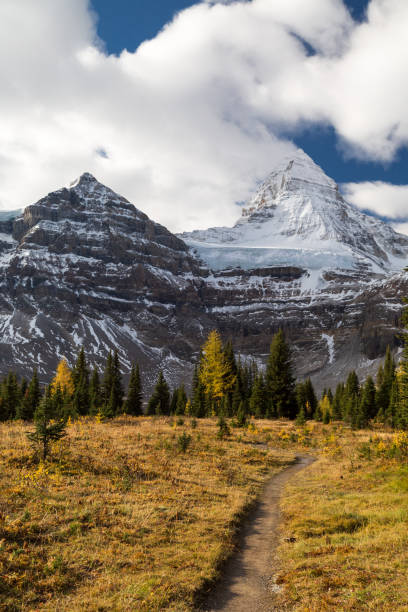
(299, 218)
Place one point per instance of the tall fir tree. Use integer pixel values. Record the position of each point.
(159, 403)
(386, 377)
(80, 378)
(133, 403)
(95, 394)
(258, 404)
(280, 382)
(30, 400)
(198, 396)
(367, 409)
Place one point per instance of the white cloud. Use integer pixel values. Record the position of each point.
(380, 198)
(188, 124)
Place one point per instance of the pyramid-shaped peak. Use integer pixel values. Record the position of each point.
(85, 179)
(299, 166)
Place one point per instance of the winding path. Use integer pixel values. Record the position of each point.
(248, 583)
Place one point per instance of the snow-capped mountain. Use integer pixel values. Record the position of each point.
(85, 267)
(298, 217)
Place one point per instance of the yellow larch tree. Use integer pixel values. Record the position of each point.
(215, 374)
(63, 378)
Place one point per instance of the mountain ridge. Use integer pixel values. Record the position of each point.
(85, 267)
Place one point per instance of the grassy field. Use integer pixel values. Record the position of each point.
(346, 524)
(123, 518)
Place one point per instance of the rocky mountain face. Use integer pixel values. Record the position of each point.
(83, 266)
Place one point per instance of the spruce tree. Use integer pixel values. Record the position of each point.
(112, 386)
(159, 403)
(10, 397)
(368, 406)
(280, 383)
(198, 396)
(49, 426)
(95, 394)
(337, 407)
(181, 401)
(80, 377)
(30, 400)
(387, 378)
(237, 395)
(258, 401)
(133, 404)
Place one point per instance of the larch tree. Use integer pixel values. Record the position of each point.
(63, 378)
(215, 373)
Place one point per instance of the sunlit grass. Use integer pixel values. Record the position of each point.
(124, 516)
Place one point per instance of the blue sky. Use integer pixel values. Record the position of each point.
(125, 24)
(187, 124)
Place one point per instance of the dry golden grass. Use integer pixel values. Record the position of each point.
(121, 518)
(348, 514)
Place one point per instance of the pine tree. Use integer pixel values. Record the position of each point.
(237, 395)
(337, 408)
(181, 401)
(280, 383)
(133, 404)
(10, 397)
(80, 378)
(95, 394)
(198, 396)
(112, 387)
(30, 400)
(159, 402)
(48, 426)
(368, 406)
(258, 404)
(387, 377)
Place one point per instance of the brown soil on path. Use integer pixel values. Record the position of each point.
(248, 581)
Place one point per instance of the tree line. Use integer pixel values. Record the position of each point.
(222, 385)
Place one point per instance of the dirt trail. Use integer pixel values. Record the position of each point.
(248, 583)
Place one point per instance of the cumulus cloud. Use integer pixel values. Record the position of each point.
(189, 123)
(382, 199)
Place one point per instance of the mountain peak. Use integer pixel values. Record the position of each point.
(298, 217)
(86, 178)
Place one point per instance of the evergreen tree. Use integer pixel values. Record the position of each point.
(80, 378)
(112, 387)
(95, 394)
(237, 395)
(368, 407)
(198, 396)
(49, 427)
(11, 397)
(181, 401)
(258, 404)
(173, 401)
(337, 408)
(392, 414)
(159, 403)
(386, 377)
(280, 383)
(133, 404)
(30, 400)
